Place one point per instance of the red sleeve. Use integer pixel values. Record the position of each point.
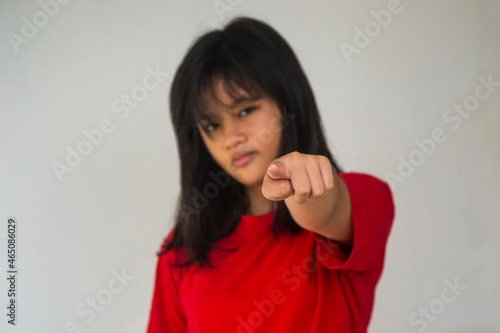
(166, 313)
(372, 216)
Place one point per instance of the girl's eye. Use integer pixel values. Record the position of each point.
(211, 126)
(248, 110)
(208, 129)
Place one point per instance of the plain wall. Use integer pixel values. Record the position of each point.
(379, 107)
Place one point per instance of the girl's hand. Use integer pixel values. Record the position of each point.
(318, 200)
(303, 176)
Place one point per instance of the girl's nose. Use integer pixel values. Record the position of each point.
(233, 134)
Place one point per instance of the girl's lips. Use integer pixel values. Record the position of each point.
(243, 160)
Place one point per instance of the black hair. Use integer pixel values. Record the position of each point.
(249, 54)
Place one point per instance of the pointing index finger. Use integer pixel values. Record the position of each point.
(277, 171)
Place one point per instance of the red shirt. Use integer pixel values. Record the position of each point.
(296, 283)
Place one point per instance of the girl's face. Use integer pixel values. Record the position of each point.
(252, 126)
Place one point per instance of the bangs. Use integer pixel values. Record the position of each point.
(231, 82)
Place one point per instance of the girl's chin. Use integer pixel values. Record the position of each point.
(250, 181)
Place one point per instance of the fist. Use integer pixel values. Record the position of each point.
(300, 176)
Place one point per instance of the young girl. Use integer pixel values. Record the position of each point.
(270, 235)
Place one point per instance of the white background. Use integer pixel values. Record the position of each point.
(112, 211)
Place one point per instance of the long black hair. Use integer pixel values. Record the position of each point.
(249, 54)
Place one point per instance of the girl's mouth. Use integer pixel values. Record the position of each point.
(243, 160)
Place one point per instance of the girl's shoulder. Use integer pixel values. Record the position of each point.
(173, 255)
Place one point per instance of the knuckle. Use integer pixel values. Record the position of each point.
(304, 190)
(318, 193)
(318, 196)
(283, 187)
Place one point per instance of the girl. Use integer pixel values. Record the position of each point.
(270, 235)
